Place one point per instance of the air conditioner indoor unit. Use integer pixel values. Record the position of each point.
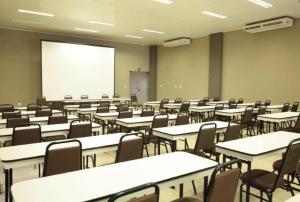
(266, 25)
(177, 42)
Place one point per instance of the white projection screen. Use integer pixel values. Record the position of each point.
(76, 69)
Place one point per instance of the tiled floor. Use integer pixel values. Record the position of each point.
(166, 194)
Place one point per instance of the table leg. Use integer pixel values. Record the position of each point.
(248, 183)
(174, 145)
(6, 185)
(180, 190)
(10, 184)
(205, 188)
(158, 149)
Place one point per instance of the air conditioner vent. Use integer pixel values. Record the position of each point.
(271, 24)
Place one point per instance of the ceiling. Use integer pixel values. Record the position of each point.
(182, 18)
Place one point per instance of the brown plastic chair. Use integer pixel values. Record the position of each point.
(84, 105)
(60, 160)
(68, 97)
(102, 110)
(79, 128)
(267, 103)
(162, 103)
(84, 97)
(231, 101)
(147, 113)
(257, 104)
(33, 107)
(216, 99)
(6, 108)
(13, 114)
(247, 120)
(185, 107)
(41, 101)
(266, 181)
(104, 104)
(222, 186)
(296, 127)
(178, 100)
(130, 149)
(134, 101)
(215, 116)
(122, 107)
(183, 119)
(26, 134)
(205, 99)
(285, 107)
(232, 106)
(56, 120)
(295, 107)
(240, 101)
(153, 197)
(15, 122)
(43, 112)
(259, 124)
(233, 132)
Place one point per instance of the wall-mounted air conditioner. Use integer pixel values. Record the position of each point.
(177, 42)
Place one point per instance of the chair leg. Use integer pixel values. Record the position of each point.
(261, 196)
(146, 148)
(194, 187)
(241, 193)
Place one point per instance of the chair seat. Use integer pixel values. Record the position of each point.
(187, 199)
(54, 138)
(277, 164)
(262, 179)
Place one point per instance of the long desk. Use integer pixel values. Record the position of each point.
(102, 182)
(213, 103)
(40, 120)
(256, 147)
(277, 118)
(47, 130)
(32, 113)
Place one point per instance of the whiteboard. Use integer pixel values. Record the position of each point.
(76, 69)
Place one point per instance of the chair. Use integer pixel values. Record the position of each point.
(240, 101)
(205, 99)
(231, 102)
(178, 100)
(295, 107)
(33, 107)
(13, 114)
(259, 124)
(130, 149)
(84, 105)
(56, 120)
(104, 104)
(222, 186)
(267, 103)
(285, 107)
(216, 99)
(68, 97)
(267, 182)
(134, 101)
(102, 109)
(116, 95)
(184, 109)
(233, 132)
(41, 101)
(257, 104)
(296, 127)
(6, 108)
(232, 106)
(183, 120)
(79, 128)
(113, 128)
(84, 97)
(26, 134)
(43, 112)
(122, 107)
(15, 122)
(215, 116)
(162, 103)
(246, 121)
(59, 159)
(147, 113)
(154, 197)
(105, 96)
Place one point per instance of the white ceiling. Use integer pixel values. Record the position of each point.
(183, 18)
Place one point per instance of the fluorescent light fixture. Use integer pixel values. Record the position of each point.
(86, 30)
(27, 22)
(132, 36)
(165, 1)
(35, 13)
(153, 31)
(261, 3)
(101, 23)
(216, 15)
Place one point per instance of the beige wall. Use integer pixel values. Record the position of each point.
(186, 66)
(263, 65)
(20, 64)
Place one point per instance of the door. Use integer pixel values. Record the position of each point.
(139, 85)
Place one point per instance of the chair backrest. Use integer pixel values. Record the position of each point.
(79, 128)
(182, 120)
(240, 101)
(59, 159)
(267, 103)
(125, 114)
(163, 102)
(83, 105)
(285, 107)
(216, 99)
(160, 120)
(130, 149)
(153, 197)
(206, 137)
(290, 160)
(205, 99)
(102, 110)
(231, 101)
(247, 117)
(262, 110)
(84, 97)
(133, 98)
(26, 134)
(43, 112)
(105, 96)
(217, 107)
(221, 179)
(41, 101)
(104, 104)
(257, 104)
(147, 113)
(116, 95)
(295, 107)
(33, 107)
(15, 122)
(233, 132)
(178, 100)
(13, 114)
(201, 103)
(68, 97)
(122, 107)
(6, 108)
(232, 106)
(57, 119)
(184, 107)
(297, 125)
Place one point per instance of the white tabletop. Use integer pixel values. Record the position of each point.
(183, 131)
(115, 99)
(294, 198)
(32, 113)
(233, 112)
(76, 101)
(247, 104)
(218, 102)
(279, 117)
(202, 108)
(92, 110)
(114, 115)
(101, 182)
(257, 146)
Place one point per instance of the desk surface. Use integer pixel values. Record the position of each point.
(102, 182)
(280, 115)
(143, 119)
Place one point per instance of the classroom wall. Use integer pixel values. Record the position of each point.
(262, 66)
(185, 67)
(20, 63)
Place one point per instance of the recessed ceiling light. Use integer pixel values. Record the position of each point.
(165, 1)
(85, 30)
(153, 31)
(101, 23)
(35, 13)
(132, 36)
(209, 13)
(261, 3)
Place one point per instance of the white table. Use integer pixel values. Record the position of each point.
(113, 115)
(32, 113)
(136, 122)
(92, 110)
(217, 102)
(67, 101)
(256, 147)
(47, 130)
(233, 112)
(202, 109)
(295, 198)
(174, 133)
(40, 120)
(120, 99)
(25, 155)
(25, 108)
(102, 182)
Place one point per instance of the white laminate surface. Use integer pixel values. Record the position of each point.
(279, 117)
